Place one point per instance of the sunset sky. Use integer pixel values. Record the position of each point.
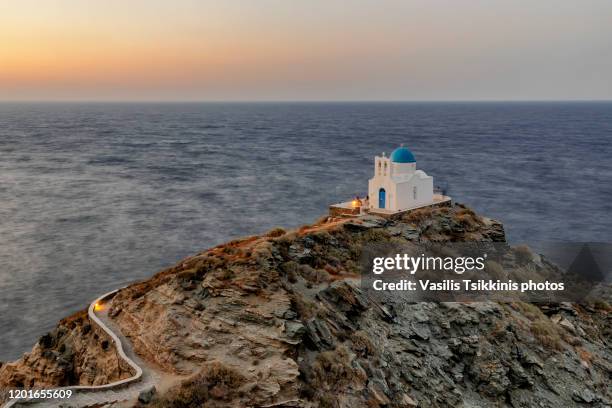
(305, 50)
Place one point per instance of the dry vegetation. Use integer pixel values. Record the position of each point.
(329, 375)
(523, 254)
(214, 386)
(547, 334)
(276, 232)
(417, 216)
(542, 328)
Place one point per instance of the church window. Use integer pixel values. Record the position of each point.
(414, 192)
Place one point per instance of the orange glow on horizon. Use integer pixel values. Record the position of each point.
(273, 49)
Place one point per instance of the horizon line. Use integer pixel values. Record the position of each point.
(288, 101)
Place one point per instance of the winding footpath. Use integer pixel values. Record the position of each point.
(128, 388)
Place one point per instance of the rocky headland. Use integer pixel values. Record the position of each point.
(279, 320)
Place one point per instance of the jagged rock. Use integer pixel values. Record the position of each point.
(568, 307)
(319, 334)
(289, 314)
(345, 297)
(528, 358)
(406, 401)
(302, 255)
(421, 331)
(308, 242)
(408, 232)
(46, 340)
(294, 329)
(411, 234)
(146, 396)
(493, 379)
(395, 230)
(584, 395)
(567, 325)
(287, 323)
(519, 376)
(70, 353)
(377, 393)
(365, 223)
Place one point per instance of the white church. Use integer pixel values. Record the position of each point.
(397, 185)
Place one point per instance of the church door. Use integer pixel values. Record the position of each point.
(381, 198)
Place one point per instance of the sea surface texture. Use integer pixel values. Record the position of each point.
(94, 196)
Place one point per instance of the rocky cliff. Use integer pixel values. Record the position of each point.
(279, 320)
(74, 353)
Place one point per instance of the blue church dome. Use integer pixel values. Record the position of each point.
(402, 155)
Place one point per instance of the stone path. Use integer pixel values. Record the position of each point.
(144, 378)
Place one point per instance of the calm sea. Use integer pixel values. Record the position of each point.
(93, 196)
